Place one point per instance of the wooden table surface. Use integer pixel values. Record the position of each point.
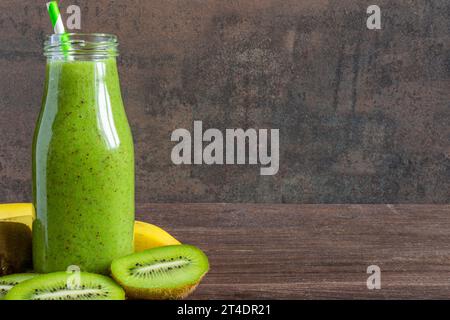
(260, 251)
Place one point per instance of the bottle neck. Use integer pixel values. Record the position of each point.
(81, 47)
(82, 74)
(89, 90)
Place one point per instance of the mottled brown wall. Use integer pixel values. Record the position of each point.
(364, 115)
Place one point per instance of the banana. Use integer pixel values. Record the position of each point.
(17, 212)
(146, 236)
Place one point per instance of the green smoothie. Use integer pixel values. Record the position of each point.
(83, 169)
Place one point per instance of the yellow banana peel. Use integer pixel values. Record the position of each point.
(17, 212)
(146, 236)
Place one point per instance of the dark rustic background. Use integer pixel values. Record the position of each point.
(364, 115)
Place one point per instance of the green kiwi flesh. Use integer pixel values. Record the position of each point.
(61, 286)
(8, 282)
(170, 272)
(15, 248)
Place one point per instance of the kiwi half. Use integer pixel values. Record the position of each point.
(170, 272)
(8, 282)
(57, 286)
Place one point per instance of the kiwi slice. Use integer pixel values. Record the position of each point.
(60, 286)
(8, 282)
(170, 272)
(15, 248)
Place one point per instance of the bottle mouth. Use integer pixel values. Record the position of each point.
(81, 46)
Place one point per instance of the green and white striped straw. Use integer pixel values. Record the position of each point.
(55, 17)
(58, 25)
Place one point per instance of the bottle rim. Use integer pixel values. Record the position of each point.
(81, 45)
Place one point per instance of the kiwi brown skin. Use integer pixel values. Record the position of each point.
(15, 248)
(158, 294)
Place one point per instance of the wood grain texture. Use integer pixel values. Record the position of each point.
(314, 251)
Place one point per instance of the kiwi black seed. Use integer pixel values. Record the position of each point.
(61, 286)
(170, 272)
